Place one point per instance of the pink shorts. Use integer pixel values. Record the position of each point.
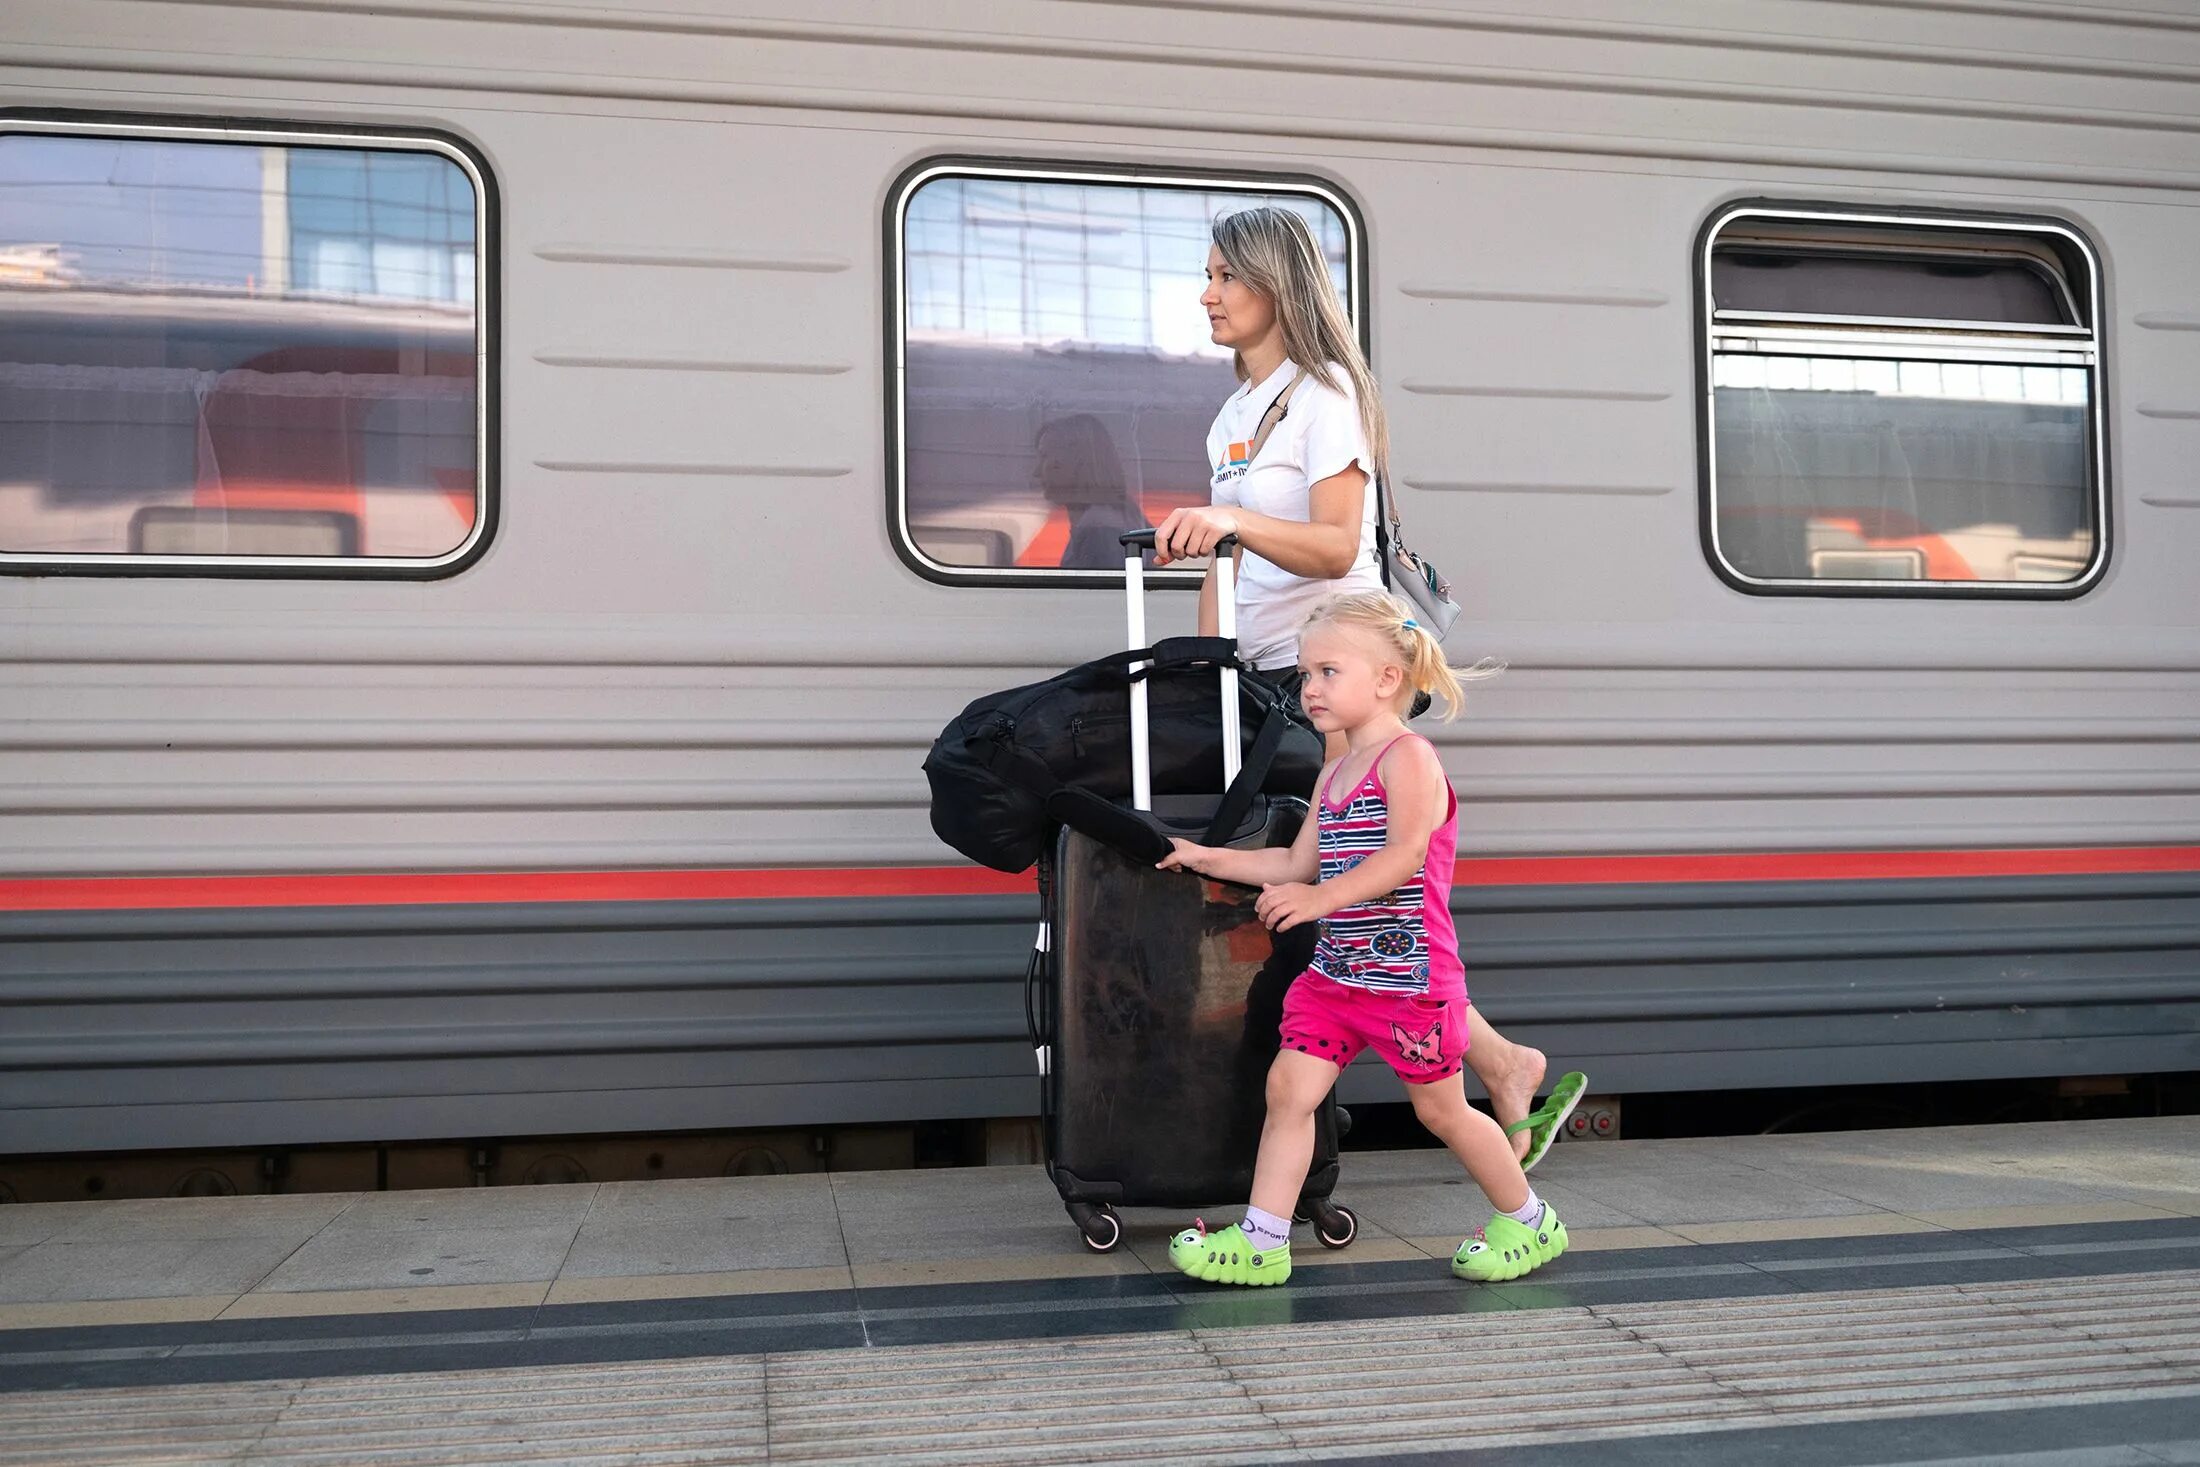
(1420, 1038)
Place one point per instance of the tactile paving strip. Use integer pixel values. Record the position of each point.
(1257, 1394)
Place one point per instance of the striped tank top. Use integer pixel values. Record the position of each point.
(1403, 941)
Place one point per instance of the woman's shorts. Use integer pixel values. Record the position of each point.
(1422, 1039)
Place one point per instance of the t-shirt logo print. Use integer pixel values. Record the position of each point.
(1419, 1049)
(1235, 460)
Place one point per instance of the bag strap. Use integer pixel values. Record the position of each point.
(1382, 536)
(1277, 410)
(1390, 531)
(1187, 652)
(1169, 652)
(1238, 798)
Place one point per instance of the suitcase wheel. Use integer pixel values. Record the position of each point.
(1100, 1225)
(1336, 1226)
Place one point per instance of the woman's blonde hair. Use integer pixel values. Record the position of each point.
(1273, 250)
(1420, 655)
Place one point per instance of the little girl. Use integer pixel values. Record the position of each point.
(1373, 869)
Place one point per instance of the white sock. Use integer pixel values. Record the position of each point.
(1531, 1211)
(1265, 1229)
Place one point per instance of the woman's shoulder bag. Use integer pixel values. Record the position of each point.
(1408, 574)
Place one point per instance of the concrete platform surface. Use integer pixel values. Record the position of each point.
(2025, 1294)
(157, 1261)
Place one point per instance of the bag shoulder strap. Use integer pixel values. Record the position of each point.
(1274, 415)
(1382, 535)
(1237, 800)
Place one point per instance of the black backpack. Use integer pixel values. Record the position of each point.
(994, 768)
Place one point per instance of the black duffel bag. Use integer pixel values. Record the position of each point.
(995, 767)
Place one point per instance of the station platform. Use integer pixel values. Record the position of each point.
(2004, 1293)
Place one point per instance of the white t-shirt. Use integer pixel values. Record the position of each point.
(1320, 435)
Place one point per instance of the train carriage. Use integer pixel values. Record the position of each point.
(497, 496)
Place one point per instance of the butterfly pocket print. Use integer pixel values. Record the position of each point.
(1424, 1050)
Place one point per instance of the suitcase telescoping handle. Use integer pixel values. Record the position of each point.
(1134, 583)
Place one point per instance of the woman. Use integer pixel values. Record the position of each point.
(1079, 469)
(1303, 507)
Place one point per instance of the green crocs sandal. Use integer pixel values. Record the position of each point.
(1504, 1249)
(1545, 1122)
(1228, 1257)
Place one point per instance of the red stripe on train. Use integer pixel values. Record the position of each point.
(483, 887)
(123, 893)
(1826, 865)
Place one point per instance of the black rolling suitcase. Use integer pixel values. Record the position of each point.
(1153, 1000)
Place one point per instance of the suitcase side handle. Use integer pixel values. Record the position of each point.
(1134, 585)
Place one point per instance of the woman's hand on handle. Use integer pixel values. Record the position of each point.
(1192, 532)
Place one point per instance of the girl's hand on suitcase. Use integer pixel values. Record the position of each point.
(1191, 532)
(1284, 905)
(1183, 856)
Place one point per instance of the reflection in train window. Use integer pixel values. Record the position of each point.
(229, 349)
(1055, 375)
(1902, 403)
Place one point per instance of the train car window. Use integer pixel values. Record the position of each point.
(1053, 376)
(236, 350)
(1904, 404)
